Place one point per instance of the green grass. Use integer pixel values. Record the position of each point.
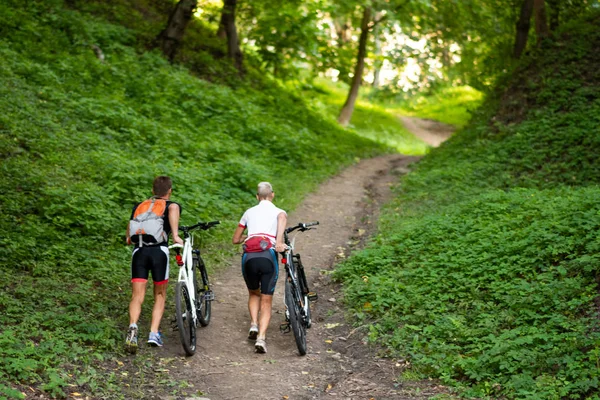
(452, 105)
(485, 273)
(82, 141)
(369, 120)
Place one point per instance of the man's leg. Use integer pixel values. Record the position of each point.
(138, 291)
(160, 296)
(254, 305)
(266, 301)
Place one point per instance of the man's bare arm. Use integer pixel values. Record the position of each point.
(281, 223)
(238, 235)
(174, 222)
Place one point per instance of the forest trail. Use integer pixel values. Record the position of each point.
(431, 132)
(338, 362)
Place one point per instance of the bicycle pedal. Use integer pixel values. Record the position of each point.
(285, 327)
(209, 296)
(313, 296)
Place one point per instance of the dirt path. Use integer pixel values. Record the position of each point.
(338, 363)
(431, 132)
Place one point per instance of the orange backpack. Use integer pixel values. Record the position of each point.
(146, 226)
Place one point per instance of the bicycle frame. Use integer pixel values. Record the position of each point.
(185, 271)
(292, 274)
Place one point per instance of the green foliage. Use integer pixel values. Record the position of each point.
(369, 119)
(283, 36)
(486, 268)
(81, 141)
(451, 105)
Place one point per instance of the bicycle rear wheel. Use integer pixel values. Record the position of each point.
(292, 301)
(203, 292)
(185, 320)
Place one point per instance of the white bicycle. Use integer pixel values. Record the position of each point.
(192, 299)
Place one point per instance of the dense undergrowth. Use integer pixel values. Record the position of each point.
(486, 271)
(81, 140)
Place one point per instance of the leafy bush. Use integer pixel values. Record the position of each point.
(485, 273)
(81, 142)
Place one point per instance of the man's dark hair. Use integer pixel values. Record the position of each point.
(161, 185)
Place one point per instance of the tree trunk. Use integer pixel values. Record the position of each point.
(377, 64)
(523, 25)
(221, 34)
(170, 38)
(541, 24)
(348, 107)
(377, 76)
(233, 44)
(342, 29)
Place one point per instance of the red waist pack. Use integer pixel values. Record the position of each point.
(257, 244)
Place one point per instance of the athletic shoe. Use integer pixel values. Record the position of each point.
(253, 332)
(131, 342)
(155, 339)
(260, 346)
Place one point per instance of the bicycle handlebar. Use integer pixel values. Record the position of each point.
(302, 226)
(202, 225)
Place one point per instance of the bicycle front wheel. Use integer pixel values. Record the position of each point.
(292, 301)
(185, 320)
(203, 292)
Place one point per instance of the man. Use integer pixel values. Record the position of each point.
(265, 223)
(151, 256)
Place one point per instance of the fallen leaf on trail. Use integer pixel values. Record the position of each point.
(120, 363)
(329, 341)
(361, 232)
(235, 364)
(76, 394)
(329, 387)
(285, 397)
(304, 372)
(331, 326)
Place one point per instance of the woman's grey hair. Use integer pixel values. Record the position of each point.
(264, 190)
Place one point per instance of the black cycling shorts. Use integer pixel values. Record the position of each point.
(261, 271)
(150, 260)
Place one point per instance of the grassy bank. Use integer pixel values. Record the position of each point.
(82, 139)
(452, 105)
(369, 120)
(485, 273)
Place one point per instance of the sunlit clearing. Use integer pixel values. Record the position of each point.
(203, 5)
